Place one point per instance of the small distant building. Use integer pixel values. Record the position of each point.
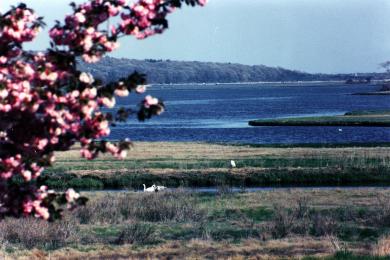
(358, 80)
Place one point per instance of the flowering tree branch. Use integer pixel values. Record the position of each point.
(47, 104)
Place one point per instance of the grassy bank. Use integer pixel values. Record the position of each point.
(316, 145)
(263, 225)
(202, 165)
(373, 93)
(368, 121)
(355, 118)
(327, 176)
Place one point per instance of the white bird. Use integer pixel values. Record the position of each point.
(160, 188)
(153, 188)
(232, 164)
(340, 130)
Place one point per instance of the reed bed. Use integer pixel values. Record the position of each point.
(267, 224)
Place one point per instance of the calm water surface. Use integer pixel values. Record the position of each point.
(220, 113)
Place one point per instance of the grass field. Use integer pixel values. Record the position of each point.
(286, 223)
(355, 118)
(199, 164)
(263, 225)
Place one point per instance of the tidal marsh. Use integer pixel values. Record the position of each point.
(269, 224)
(201, 164)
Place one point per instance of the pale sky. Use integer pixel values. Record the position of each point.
(328, 36)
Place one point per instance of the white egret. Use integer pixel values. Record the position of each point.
(232, 164)
(160, 188)
(153, 188)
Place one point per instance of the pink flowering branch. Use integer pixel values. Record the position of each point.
(47, 104)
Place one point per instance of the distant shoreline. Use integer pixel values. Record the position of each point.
(164, 72)
(273, 83)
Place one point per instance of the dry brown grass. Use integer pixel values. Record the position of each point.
(383, 247)
(290, 248)
(129, 244)
(153, 207)
(320, 198)
(194, 151)
(152, 150)
(179, 158)
(159, 171)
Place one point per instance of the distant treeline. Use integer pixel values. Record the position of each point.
(167, 71)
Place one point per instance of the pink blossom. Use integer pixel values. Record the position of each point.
(29, 71)
(122, 154)
(52, 158)
(71, 195)
(49, 105)
(121, 92)
(110, 46)
(42, 143)
(108, 102)
(89, 92)
(3, 93)
(90, 30)
(3, 59)
(27, 207)
(27, 175)
(112, 148)
(150, 101)
(113, 11)
(6, 175)
(86, 78)
(140, 89)
(40, 211)
(202, 2)
(90, 58)
(86, 154)
(51, 77)
(80, 18)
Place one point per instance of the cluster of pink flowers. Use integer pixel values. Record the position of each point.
(47, 105)
(81, 33)
(19, 25)
(35, 205)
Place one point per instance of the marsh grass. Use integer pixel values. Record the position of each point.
(195, 165)
(304, 161)
(353, 119)
(251, 177)
(154, 207)
(178, 207)
(275, 219)
(137, 233)
(34, 233)
(267, 224)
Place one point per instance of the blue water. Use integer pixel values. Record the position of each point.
(220, 113)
